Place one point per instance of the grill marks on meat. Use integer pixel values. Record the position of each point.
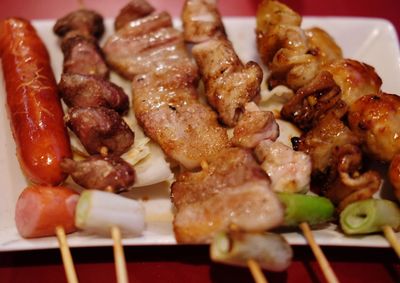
(91, 91)
(229, 84)
(83, 56)
(99, 127)
(168, 109)
(201, 21)
(84, 22)
(98, 172)
(153, 54)
(232, 191)
(134, 10)
(147, 45)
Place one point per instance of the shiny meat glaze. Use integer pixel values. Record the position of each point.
(232, 191)
(84, 22)
(92, 91)
(394, 175)
(132, 11)
(229, 84)
(100, 129)
(83, 56)
(376, 120)
(109, 173)
(201, 21)
(145, 45)
(354, 78)
(167, 107)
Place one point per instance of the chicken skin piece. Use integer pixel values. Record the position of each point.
(375, 119)
(134, 10)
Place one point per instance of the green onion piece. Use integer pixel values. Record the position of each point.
(369, 216)
(270, 251)
(306, 208)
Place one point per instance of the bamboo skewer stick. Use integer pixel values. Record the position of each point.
(256, 271)
(119, 256)
(392, 239)
(66, 256)
(322, 261)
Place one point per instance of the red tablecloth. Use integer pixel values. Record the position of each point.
(188, 263)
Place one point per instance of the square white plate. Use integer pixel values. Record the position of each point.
(373, 41)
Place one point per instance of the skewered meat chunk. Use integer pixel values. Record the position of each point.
(376, 120)
(134, 10)
(349, 185)
(98, 128)
(254, 126)
(91, 91)
(98, 172)
(311, 102)
(321, 140)
(201, 21)
(232, 190)
(293, 55)
(229, 84)
(146, 45)
(394, 175)
(166, 105)
(289, 170)
(84, 22)
(354, 78)
(83, 56)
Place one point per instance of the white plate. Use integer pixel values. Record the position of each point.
(373, 41)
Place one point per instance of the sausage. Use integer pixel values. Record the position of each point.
(40, 209)
(394, 175)
(33, 103)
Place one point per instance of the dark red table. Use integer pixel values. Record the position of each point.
(191, 263)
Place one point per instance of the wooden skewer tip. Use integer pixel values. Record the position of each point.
(119, 256)
(256, 271)
(322, 261)
(392, 239)
(66, 256)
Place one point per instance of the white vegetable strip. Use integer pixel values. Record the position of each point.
(98, 211)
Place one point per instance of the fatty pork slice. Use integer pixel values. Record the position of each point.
(229, 84)
(166, 105)
(231, 192)
(201, 21)
(132, 11)
(146, 45)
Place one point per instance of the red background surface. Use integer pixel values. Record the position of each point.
(188, 263)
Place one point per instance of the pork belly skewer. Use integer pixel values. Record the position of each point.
(152, 53)
(93, 115)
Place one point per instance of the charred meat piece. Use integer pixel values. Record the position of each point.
(166, 105)
(100, 129)
(321, 141)
(134, 10)
(84, 22)
(312, 102)
(147, 45)
(229, 84)
(231, 191)
(254, 126)
(350, 185)
(92, 91)
(98, 172)
(201, 21)
(83, 56)
(376, 120)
